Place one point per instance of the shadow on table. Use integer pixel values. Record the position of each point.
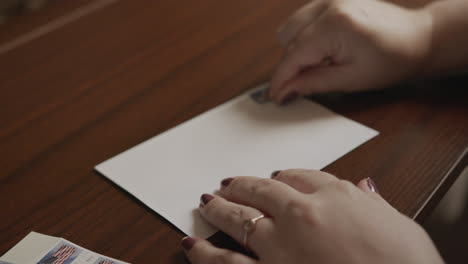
(451, 91)
(448, 224)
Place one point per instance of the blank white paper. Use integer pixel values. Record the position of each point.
(241, 137)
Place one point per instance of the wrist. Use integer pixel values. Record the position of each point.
(448, 50)
(425, 47)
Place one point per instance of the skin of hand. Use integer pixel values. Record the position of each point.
(350, 45)
(312, 217)
(449, 51)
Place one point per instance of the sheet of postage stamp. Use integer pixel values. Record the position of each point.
(55, 251)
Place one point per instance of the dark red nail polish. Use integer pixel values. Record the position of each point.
(206, 198)
(372, 186)
(226, 182)
(275, 173)
(289, 98)
(187, 243)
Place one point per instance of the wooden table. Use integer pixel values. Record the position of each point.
(83, 80)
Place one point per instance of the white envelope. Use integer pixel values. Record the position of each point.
(170, 171)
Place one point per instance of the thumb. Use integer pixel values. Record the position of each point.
(369, 186)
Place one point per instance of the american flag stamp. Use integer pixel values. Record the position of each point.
(44, 249)
(103, 260)
(62, 253)
(261, 95)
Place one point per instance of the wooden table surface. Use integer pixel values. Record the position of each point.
(83, 80)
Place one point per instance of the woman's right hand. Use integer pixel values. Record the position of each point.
(352, 45)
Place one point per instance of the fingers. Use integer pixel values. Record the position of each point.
(310, 53)
(299, 20)
(292, 64)
(269, 196)
(320, 79)
(295, 24)
(305, 181)
(230, 218)
(200, 251)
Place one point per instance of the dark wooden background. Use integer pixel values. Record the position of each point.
(105, 82)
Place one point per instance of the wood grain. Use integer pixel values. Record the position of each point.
(102, 84)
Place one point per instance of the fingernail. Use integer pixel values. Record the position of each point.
(275, 173)
(289, 98)
(226, 182)
(206, 198)
(187, 243)
(372, 186)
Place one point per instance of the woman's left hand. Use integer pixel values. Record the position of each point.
(310, 217)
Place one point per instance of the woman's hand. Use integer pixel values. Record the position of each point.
(312, 217)
(352, 45)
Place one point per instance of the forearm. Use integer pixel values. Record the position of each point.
(449, 47)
